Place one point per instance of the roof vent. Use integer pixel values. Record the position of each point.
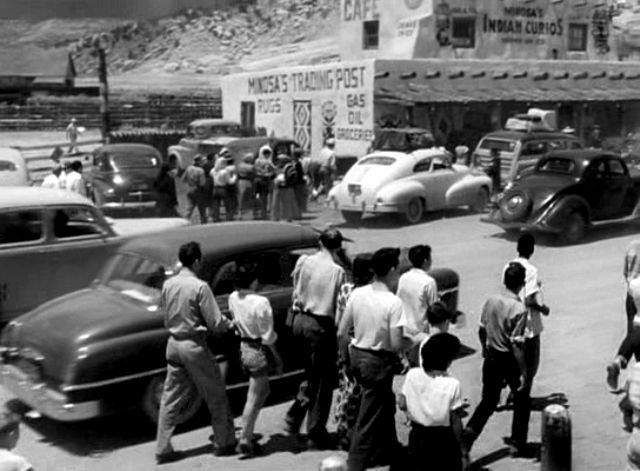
(616, 76)
(541, 76)
(581, 75)
(521, 74)
(633, 76)
(408, 75)
(432, 74)
(456, 74)
(380, 75)
(500, 75)
(561, 75)
(478, 74)
(597, 75)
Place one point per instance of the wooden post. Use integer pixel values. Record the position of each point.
(104, 92)
(556, 439)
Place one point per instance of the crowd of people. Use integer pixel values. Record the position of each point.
(357, 325)
(272, 186)
(67, 177)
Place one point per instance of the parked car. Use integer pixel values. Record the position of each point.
(13, 168)
(200, 133)
(402, 139)
(408, 184)
(71, 362)
(520, 150)
(122, 176)
(566, 192)
(53, 242)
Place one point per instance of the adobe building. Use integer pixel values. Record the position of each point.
(459, 68)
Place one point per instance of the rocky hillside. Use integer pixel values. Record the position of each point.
(193, 47)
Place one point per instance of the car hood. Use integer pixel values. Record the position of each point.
(61, 327)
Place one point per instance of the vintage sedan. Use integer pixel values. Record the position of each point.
(122, 176)
(102, 349)
(408, 184)
(53, 242)
(566, 192)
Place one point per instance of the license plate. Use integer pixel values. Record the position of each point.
(354, 190)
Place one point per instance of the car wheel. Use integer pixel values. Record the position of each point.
(153, 396)
(515, 205)
(414, 210)
(575, 229)
(352, 217)
(481, 201)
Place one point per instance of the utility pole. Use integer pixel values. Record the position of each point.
(101, 43)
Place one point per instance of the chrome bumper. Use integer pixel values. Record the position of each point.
(374, 208)
(47, 401)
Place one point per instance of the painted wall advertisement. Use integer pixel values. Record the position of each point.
(310, 103)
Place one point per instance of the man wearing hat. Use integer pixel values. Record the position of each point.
(246, 174)
(265, 172)
(195, 180)
(595, 139)
(317, 280)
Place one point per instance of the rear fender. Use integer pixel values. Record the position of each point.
(560, 208)
(465, 190)
(401, 192)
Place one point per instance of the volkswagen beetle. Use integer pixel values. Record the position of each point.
(408, 184)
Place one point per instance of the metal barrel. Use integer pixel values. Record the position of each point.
(556, 439)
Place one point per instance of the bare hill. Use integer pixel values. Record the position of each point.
(193, 49)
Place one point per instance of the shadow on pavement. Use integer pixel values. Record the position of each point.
(393, 221)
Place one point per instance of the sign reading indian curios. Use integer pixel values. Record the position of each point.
(523, 21)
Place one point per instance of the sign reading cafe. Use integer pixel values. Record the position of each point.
(523, 20)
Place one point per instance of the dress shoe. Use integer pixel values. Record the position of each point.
(170, 457)
(228, 450)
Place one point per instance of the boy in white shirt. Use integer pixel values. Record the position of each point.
(433, 401)
(253, 320)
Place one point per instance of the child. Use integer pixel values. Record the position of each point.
(433, 401)
(9, 434)
(253, 319)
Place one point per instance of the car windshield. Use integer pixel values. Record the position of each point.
(202, 131)
(377, 160)
(136, 277)
(387, 139)
(209, 149)
(500, 144)
(557, 165)
(120, 161)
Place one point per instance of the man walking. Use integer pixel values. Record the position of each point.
(322, 169)
(630, 272)
(72, 135)
(265, 171)
(316, 283)
(531, 295)
(501, 333)
(418, 291)
(191, 312)
(195, 180)
(374, 314)
(74, 181)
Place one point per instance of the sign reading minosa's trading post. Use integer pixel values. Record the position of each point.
(518, 22)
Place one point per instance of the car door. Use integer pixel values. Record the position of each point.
(529, 156)
(594, 188)
(25, 262)
(443, 177)
(82, 241)
(619, 186)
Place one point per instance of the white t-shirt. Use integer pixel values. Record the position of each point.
(51, 181)
(11, 462)
(74, 182)
(531, 286)
(253, 316)
(431, 399)
(372, 311)
(418, 291)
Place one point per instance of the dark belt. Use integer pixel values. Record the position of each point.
(251, 341)
(245, 178)
(381, 353)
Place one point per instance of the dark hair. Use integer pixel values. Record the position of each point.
(362, 269)
(384, 260)
(418, 254)
(245, 276)
(514, 276)
(76, 165)
(438, 312)
(189, 254)
(439, 351)
(526, 243)
(331, 239)
(343, 259)
(9, 421)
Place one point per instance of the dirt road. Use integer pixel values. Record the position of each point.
(582, 285)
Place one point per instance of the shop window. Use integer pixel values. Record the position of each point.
(370, 34)
(577, 37)
(463, 32)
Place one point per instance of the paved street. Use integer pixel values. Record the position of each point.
(582, 284)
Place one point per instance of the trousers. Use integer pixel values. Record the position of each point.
(316, 336)
(433, 448)
(196, 200)
(192, 370)
(497, 368)
(630, 308)
(374, 441)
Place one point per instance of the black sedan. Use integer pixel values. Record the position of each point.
(566, 192)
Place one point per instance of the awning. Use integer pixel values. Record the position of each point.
(483, 81)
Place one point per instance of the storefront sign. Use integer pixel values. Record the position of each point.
(518, 22)
(360, 10)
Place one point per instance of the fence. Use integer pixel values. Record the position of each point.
(154, 111)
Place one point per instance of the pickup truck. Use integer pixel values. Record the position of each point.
(567, 192)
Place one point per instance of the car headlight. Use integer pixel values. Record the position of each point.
(508, 186)
(118, 180)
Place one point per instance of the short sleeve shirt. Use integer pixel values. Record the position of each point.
(253, 316)
(372, 311)
(418, 291)
(317, 281)
(531, 286)
(9, 461)
(431, 398)
(503, 317)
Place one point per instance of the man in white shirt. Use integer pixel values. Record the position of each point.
(316, 284)
(53, 179)
(418, 291)
(323, 168)
(74, 180)
(374, 313)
